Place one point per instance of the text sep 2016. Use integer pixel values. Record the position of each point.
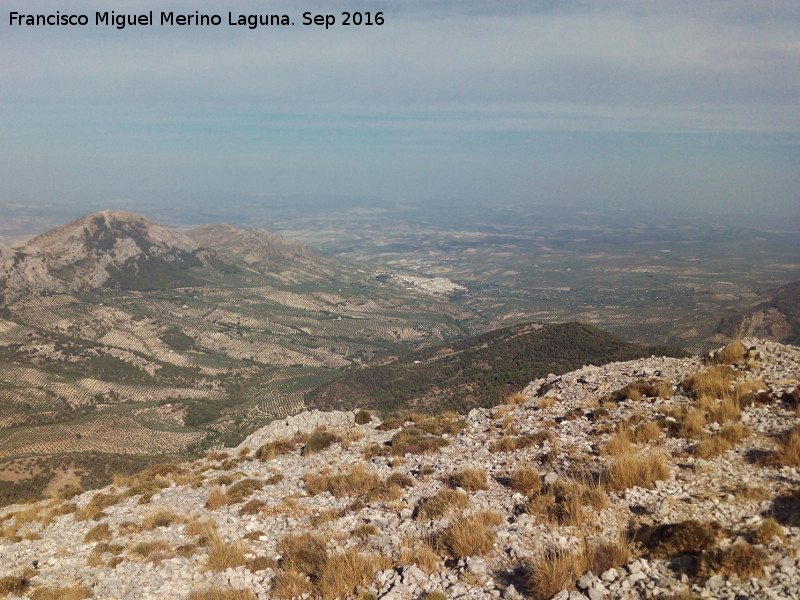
(171, 19)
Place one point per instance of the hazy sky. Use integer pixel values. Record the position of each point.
(673, 103)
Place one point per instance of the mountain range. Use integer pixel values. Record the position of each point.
(627, 481)
(124, 250)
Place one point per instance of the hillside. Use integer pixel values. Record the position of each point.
(477, 371)
(777, 318)
(123, 342)
(255, 248)
(126, 251)
(653, 478)
(105, 249)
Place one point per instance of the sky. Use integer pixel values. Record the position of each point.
(682, 105)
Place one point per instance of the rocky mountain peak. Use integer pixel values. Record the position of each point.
(121, 249)
(106, 230)
(104, 249)
(653, 478)
(257, 248)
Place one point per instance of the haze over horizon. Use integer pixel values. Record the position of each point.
(669, 106)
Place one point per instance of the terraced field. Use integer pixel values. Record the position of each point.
(105, 434)
(161, 372)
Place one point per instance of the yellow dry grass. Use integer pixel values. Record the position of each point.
(730, 354)
(526, 480)
(344, 572)
(74, 592)
(636, 470)
(788, 453)
(290, 584)
(470, 479)
(442, 502)
(356, 482)
(714, 382)
(214, 593)
(468, 536)
(516, 399)
(421, 554)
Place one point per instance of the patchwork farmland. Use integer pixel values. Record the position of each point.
(167, 372)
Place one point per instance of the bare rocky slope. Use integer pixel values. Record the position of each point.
(256, 248)
(653, 478)
(777, 318)
(124, 250)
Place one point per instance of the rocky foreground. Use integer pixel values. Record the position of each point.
(646, 479)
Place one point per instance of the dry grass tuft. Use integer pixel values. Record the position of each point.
(221, 554)
(546, 402)
(711, 446)
(149, 550)
(343, 573)
(57, 509)
(470, 479)
(363, 417)
(146, 489)
(319, 440)
(290, 584)
(243, 489)
(161, 518)
(742, 560)
(469, 536)
(558, 569)
(215, 593)
(501, 411)
(75, 592)
(416, 440)
(714, 382)
(750, 492)
(272, 449)
(366, 530)
(730, 354)
(441, 503)
(555, 571)
(217, 498)
(563, 502)
(663, 389)
(692, 424)
(517, 399)
(98, 533)
(721, 411)
(768, 530)
(636, 470)
(735, 432)
(526, 480)
(646, 432)
(421, 554)
(304, 553)
(674, 539)
(620, 443)
(490, 518)
(356, 482)
(788, 453)
(27, 515)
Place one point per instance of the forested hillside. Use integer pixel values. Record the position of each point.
(477, 371)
